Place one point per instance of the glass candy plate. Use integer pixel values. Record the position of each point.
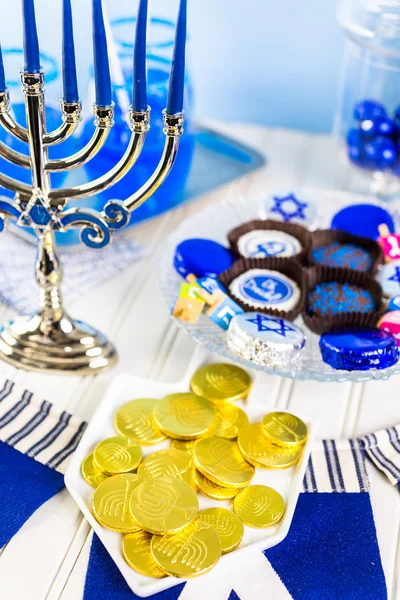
(214, 222)
(288, 482)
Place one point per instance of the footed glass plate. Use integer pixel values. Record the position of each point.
(214, 222)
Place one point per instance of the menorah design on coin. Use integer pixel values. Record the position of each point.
(111, 502)
(135, 420)
(117, 455)
(226, 381)
(187, 548)
(226, 456)
(163, 505)
(165, 462)
(284, 427)
(115, 503)
(188, 411)
(224, 525)
(259, 506)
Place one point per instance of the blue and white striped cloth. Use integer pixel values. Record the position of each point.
(36, 428)
(383, 448)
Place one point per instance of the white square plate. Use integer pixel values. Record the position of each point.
(124, 388)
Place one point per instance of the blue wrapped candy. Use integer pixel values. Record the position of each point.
(369, 110)
(352, 349)
(380, 153)
(363, 220)
(202, 258)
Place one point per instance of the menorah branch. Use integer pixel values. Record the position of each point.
(173, 129)
(6, 120)
(139, 122)
(104, 120)
(71, 117)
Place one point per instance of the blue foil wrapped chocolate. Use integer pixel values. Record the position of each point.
(202, 258)
(353, 349)
(363, 220)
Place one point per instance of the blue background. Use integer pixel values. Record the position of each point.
(275, 62)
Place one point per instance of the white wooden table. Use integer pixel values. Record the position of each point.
(48, 557)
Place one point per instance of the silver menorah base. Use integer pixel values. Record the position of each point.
(33, 344)
(50, 340)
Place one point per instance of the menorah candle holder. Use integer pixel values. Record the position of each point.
(51, 340)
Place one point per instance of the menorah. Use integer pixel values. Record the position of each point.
(51, 340)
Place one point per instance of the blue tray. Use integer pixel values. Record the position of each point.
(217, 159)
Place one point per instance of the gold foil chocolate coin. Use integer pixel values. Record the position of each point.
(221, 461)
(259, 506)
(184, 416)
(219, 381)
(90, 473)
(117, 455)
(166, 462)
(258, 451)
(137, 553)
(228, 525)
(229, 419)
(211, 489)
(284, 429)
(135, 420)
(189, 553)
(163, 505)
(111, 500)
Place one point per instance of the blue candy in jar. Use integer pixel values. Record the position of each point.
(356, 155)
(385, 127)
(369, 110)
(380, 153)
(356, 137)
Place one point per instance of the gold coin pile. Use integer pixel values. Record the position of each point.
(213, 450)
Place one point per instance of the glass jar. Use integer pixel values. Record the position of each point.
(368, 118)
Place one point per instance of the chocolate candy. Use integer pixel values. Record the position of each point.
(202, 258)
(332, 298)
(369, 110)
(363, 220)
(359, 349)
(390, 322)
(264, 339)
(266, 289)
(260, 243)
(343, 255)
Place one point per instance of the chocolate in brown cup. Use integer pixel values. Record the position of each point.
(322, 323)
(297, 231)
(326, 237)
(289, 267)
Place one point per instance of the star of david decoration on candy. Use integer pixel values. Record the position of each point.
(289, 207)
(278, 326)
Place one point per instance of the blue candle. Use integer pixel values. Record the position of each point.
(102, 77)
(68, 54)
(31, 44)
(177, 79)
(3, 86)
(139, 63)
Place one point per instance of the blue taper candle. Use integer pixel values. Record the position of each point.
(177, 79)
(139, 102)
(102, 77)
(3, 86)
(31, 44)
(70, 82)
